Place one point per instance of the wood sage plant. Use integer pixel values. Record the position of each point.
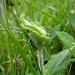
(39, 37)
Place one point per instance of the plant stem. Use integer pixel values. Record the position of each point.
(40, 60)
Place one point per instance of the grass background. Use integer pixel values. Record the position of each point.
(17, 54)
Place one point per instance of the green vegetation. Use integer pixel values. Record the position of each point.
(37, 37)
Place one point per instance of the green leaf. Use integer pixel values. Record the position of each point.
(46, 72)
(66, 39)
(55, 64)
(53, 30)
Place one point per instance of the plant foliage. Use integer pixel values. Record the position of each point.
(29, 26)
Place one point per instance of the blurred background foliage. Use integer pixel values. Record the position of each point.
(53, 15)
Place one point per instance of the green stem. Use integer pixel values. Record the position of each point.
(40, 61)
